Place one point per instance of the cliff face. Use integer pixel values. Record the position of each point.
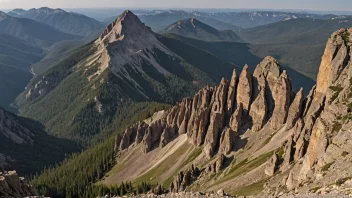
(236, 117)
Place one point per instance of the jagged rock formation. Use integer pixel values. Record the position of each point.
(184, 179)
(244, 89)
(308, 135)
(210, 117)
(13, 186)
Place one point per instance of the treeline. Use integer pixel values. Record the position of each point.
(117, 190)
(72, 177)
(76, 176)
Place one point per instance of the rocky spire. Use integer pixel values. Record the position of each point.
(217, 116)
(335, 57)
(244, 89)
(232, 92)
(282, 97)
(258, 111)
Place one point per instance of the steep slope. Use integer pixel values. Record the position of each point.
(250, 135)
(16, 56)
(195, 29)
(68, 22)
(284, 40)
(34, 32)
(127, 64)
(22, 142)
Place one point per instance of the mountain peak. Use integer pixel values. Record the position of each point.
(126, 24)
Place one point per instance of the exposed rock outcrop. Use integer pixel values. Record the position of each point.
(236, 118)
(227, 140)
(244, 89)
(184, 179)
(258, 111)
(13, 186)
(199, 119)
(217, 117)
(231, 95)
(282, 97)
(295, 111)
(271, 167)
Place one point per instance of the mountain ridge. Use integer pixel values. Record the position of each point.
(79, 24)
(195, 29)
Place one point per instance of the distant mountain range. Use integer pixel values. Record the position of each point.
(34, 32)
(160, 19)
(195, 29)
(286, 39)
(68, 22)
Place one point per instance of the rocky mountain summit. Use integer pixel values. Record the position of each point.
(254, 132)
(13, 186)
(128, 63)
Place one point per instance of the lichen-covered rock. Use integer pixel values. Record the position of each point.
(282, 97)
(295, 111)
(258, 111)
(244, 89)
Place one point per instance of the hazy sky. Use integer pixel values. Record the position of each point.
(336, 5)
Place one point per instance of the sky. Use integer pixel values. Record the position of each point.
(335, 5)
